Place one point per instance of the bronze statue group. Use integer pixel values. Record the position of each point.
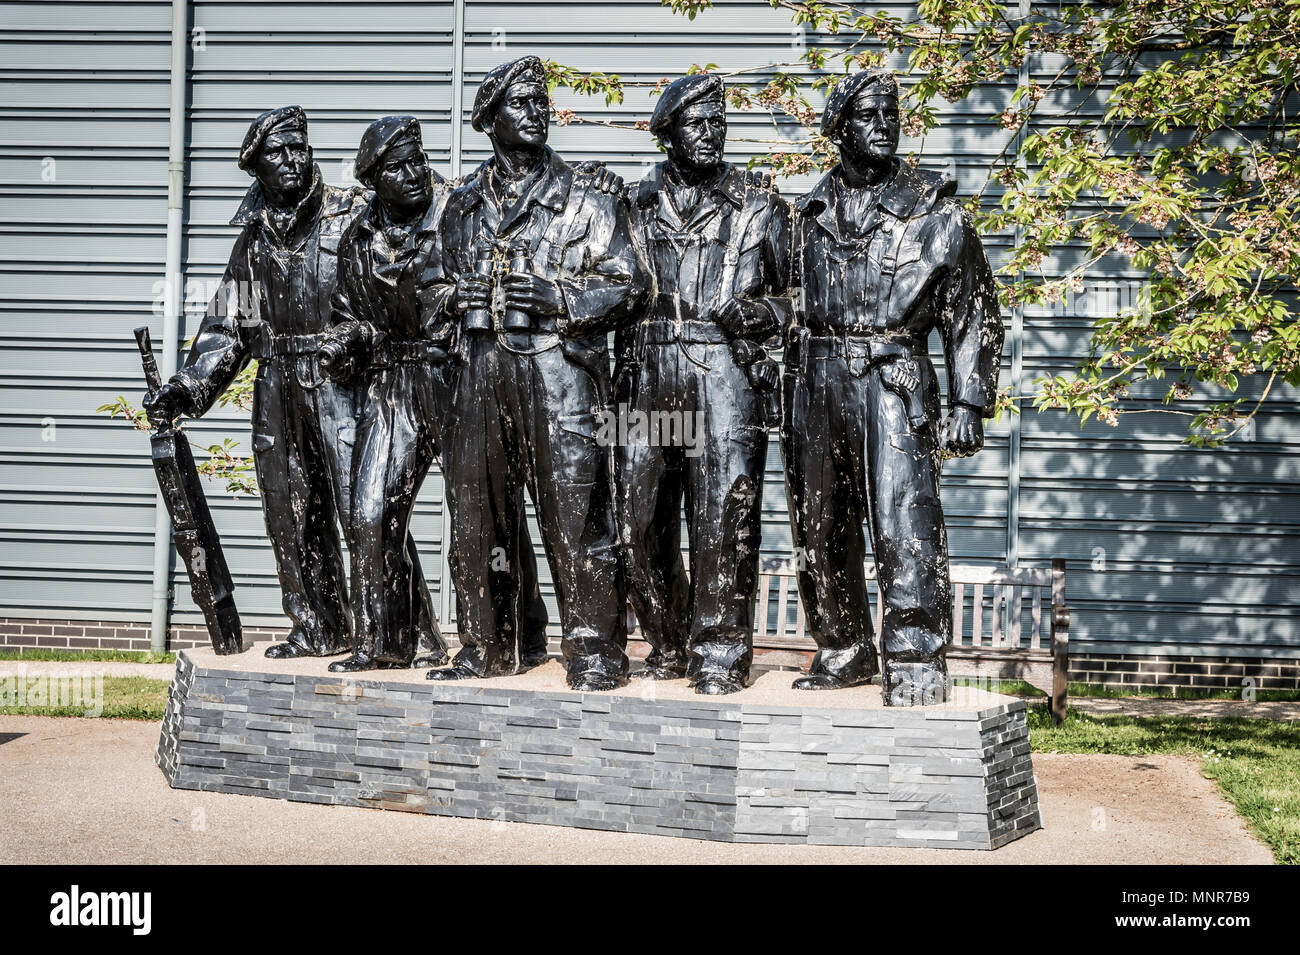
(469, 322)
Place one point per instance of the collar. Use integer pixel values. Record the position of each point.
(369, 220)
(255, 202)
(550, 188)
(900, 196)
(908, 192)
(730, 186)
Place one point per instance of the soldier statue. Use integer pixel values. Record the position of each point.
(882, 255)
(537, 265)
(406, 382)
(273, 305)
(719, 253)
(378, 340)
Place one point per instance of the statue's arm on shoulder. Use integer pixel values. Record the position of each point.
(611, 289)
(778, 263)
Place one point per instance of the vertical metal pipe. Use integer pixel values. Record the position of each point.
(173, 297)
(457, 100)
(1017, 365)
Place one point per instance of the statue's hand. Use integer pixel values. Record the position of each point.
(962, 433)
(532, 294)
(164, 405)
(764, 374)
(472, 291)
(758, 179)
(741, 317)
(602, 177)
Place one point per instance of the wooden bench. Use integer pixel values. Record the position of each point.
(1000, 629)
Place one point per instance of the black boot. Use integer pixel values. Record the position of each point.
(594, 681)
(718, 684)
(358, 662)
(659, 671)
(533, 652)
(853, 665)
(288, 651)
(425, 660)
(661, 665)
(457, 671)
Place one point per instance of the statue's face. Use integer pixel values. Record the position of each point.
(869, 130)
(523, 116)
(283, 166)
(402, 180)
(699, 135)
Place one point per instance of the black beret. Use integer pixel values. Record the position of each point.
(273, 120)
(847, 88)
(498, 81)
(682, 92)
(379, 137)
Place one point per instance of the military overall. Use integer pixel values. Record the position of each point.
(861, 417)
(274, 306)
(528, 403)
(696, 425)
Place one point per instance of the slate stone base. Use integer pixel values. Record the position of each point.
(766, 765)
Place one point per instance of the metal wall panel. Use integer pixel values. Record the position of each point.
(1170, 549)
(83, 175)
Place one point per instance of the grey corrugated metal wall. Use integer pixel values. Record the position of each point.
(1170, 549)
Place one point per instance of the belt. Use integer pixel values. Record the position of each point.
(268, 344)
(394, 352)
(662, 331)
(872, 346)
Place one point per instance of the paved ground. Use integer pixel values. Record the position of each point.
(86, 791)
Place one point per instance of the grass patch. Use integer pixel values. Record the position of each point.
(1256, 763)
(125, 698)
(87, 656)
(1085, 690)
(1006, 687)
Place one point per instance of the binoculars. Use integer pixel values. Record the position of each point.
(491, 266)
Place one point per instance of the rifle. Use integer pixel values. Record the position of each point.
(192, 529)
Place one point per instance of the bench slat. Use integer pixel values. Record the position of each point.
(764, 584)
(1036, 637)
(998, 594)
(958, 598)
(798, 616)
(1017, 600)
(977, 615)
(783, 587)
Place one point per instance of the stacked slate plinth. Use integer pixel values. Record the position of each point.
(660, 760)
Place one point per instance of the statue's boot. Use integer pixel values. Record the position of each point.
(474, 666)
(595, 681)
(297, 645)
(661, 671)
(361, 661)
(533, 651)
(426, 660)
(661, 665)
(287, 651)
(456, 671)
(853, 665)
(718, 684)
